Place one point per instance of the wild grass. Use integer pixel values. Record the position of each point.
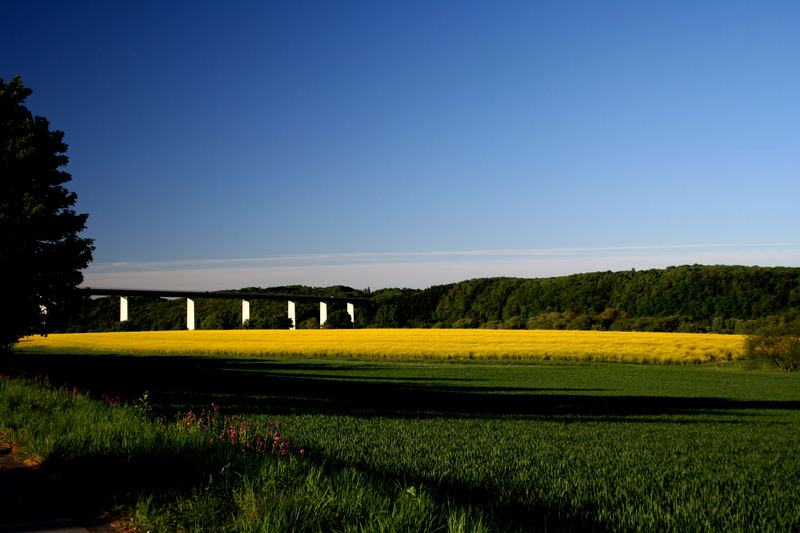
(193, 474)
(435, 344)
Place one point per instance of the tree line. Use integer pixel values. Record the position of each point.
(696, 298)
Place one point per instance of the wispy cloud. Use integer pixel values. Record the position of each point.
(360, 257)
(422, 269)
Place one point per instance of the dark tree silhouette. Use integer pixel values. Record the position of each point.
(777, 344)
(41, 252)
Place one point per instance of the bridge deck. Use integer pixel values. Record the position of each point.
(223, 295)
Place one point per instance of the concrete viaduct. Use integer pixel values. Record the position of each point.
(245, 297)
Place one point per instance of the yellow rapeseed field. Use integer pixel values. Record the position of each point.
(414, 344)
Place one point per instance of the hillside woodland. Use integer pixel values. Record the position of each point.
(696, 298)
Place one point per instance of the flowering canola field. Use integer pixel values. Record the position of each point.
(622, 346)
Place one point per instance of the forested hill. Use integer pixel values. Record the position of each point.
(687, 298)
(724, 299)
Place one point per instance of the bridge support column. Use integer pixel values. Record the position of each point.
(351, 310)
(245, 311)
(123, 308)
(189, 314)
(323, 313)
(293, 314)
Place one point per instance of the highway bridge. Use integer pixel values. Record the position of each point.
(245, 297)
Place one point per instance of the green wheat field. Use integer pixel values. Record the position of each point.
(385, 445)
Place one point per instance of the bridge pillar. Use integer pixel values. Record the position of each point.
(245, 311)
(351, 310)
(293, 314)
(123, 308)
(189, 314)
(323, 313)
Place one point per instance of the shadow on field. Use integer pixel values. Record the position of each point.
(80, 492)
(249, 385)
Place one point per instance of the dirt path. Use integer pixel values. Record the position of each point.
(30, 501)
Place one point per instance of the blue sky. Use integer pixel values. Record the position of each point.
(380, 144)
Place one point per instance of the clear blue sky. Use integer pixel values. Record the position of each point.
(414, 143)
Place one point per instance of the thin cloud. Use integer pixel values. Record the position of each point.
(410, 256)
(426, 268)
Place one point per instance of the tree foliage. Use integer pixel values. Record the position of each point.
(41, 251)
(338, 319)
(777, 344)
(719, 299)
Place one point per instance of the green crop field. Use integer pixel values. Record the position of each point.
(481, 446)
